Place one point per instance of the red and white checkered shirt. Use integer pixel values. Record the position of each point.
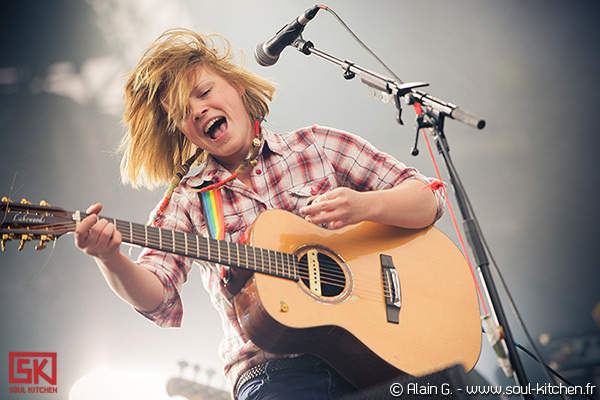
(291, 167)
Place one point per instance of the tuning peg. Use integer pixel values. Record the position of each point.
(24, 239)
(25, 201)
(5, 238)
(5, 199)
(43, 203)
(43, 240)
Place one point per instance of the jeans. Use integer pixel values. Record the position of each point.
(319, 382)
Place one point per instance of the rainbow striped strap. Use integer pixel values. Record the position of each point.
(212, 207)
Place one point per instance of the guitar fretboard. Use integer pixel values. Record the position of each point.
(242, 256)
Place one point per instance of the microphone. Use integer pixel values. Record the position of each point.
(267, 53)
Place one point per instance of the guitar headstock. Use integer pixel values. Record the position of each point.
(25, 221)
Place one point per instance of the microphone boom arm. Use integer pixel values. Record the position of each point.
(396, 89)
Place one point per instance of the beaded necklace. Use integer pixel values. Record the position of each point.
(210, 196)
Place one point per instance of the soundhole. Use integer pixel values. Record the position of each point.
(331, 276)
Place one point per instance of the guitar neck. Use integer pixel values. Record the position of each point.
(237, 255)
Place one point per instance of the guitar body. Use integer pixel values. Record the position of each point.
(348, 325)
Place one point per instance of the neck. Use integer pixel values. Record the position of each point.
(253, 148)
(246, 177)
(243, 169)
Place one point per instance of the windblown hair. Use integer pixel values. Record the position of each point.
(153, 147)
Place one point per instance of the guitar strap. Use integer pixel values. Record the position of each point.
(212, 209)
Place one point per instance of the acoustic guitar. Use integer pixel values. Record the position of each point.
(374, 301)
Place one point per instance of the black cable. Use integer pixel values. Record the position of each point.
(360, 42)
(552, 371)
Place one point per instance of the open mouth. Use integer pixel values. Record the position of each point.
(215, 126)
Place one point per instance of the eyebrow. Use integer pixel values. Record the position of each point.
(203, 83)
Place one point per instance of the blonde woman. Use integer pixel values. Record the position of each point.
(187, 99)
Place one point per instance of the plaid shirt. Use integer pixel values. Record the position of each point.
(291, 167)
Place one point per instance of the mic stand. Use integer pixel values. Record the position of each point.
(434, 113)
(434, 120)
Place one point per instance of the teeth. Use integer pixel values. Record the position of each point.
(210, 124)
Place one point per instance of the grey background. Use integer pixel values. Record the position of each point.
(529, 67)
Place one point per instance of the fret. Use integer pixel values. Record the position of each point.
(146, 235)
(246, 250)
(254, 253)
(262, 259)
(179, 242)
(295, 264)
(198, 247)
(186, 243)
(270, 266)
(228, 254)
(219, 250)
(160, 238)
(130, 231)
(207, 246)
(293, 268)
(266, 264)
(237, 251)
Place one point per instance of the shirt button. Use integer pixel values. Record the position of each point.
(313, 191)
(258, 171)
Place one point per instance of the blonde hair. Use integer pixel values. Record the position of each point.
(153, 147)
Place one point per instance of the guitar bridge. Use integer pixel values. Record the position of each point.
(391, 289)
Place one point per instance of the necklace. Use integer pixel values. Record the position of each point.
(249, 161)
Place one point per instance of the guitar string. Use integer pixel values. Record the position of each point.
(331, 269)
(330, 272)
(273, 258)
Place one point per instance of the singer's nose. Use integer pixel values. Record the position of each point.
(198, 111)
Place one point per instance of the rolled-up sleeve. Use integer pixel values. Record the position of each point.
(172, 270)
(360, 166)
